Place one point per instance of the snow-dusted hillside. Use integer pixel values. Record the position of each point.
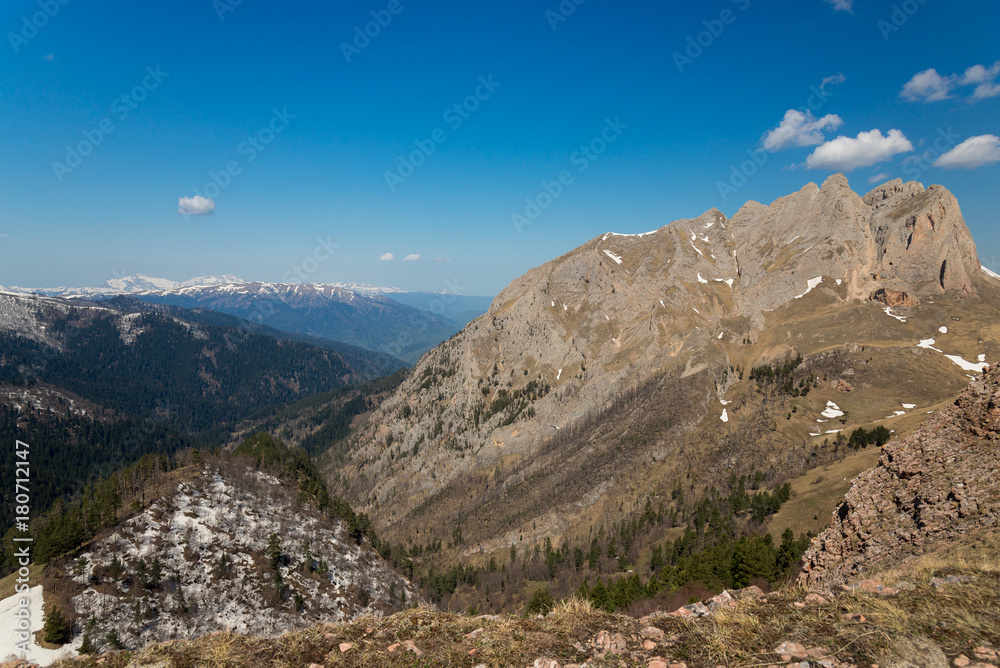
(208, 538)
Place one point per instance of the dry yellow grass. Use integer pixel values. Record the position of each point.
(926, 617)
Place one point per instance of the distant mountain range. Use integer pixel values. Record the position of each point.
(383, 319)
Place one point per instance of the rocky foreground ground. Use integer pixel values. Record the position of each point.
(940, 610)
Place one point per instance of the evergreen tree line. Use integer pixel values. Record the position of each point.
(71, 522)
(721, 547)
(68, 451)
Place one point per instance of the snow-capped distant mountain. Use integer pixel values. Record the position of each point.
(385, 319)
(126, 285)
(369, 319)
(367, 288)
(141, 282)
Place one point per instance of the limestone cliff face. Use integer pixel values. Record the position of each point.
(934, 486)
(683, 302)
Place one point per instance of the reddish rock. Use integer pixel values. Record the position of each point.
(545, 663)
(652, 633)
(792, 650)
(984, 653)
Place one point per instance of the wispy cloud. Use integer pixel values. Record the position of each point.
(413, 257)
(878, 178)
(842, 5)
(846, 153)
(387, 257)
(931, 86)
(196, 206)
(973, 152)
(830, 81)
(800, 129)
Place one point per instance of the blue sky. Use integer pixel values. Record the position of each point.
(646, 111)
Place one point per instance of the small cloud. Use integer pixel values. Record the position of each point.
(830, 81)
(800, 129)
(978, 74)
(985, 90)
(844, 154)
(930, 86)
(196, 206)
(842, 5)
(878, 178)
(442, 259)
(49, 56)
(387, 257)
(412, 257)
(973, 152)
(927, 86)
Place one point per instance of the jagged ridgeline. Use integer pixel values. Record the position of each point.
(786, 339)
(186, 545)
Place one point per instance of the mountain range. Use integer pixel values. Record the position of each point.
(383, 319)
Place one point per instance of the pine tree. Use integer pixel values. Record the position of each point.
(273, 550)
(56, 629)
(87, 647)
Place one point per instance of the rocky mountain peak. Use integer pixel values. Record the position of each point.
(689, 301)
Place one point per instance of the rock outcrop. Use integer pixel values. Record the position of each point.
(934, 486)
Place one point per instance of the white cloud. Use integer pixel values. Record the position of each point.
(973, 152)
(930, 86)
(835, 79)
(800, 129)
(978, 74)
(986, 90)
(878, 178)
(48, 56)
(442, 259)
(842, 5)
(412, 257)
(387, 257)
(195, 206)
(845, 154)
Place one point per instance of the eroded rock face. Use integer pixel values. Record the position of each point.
(936, 485)
(568, 337)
